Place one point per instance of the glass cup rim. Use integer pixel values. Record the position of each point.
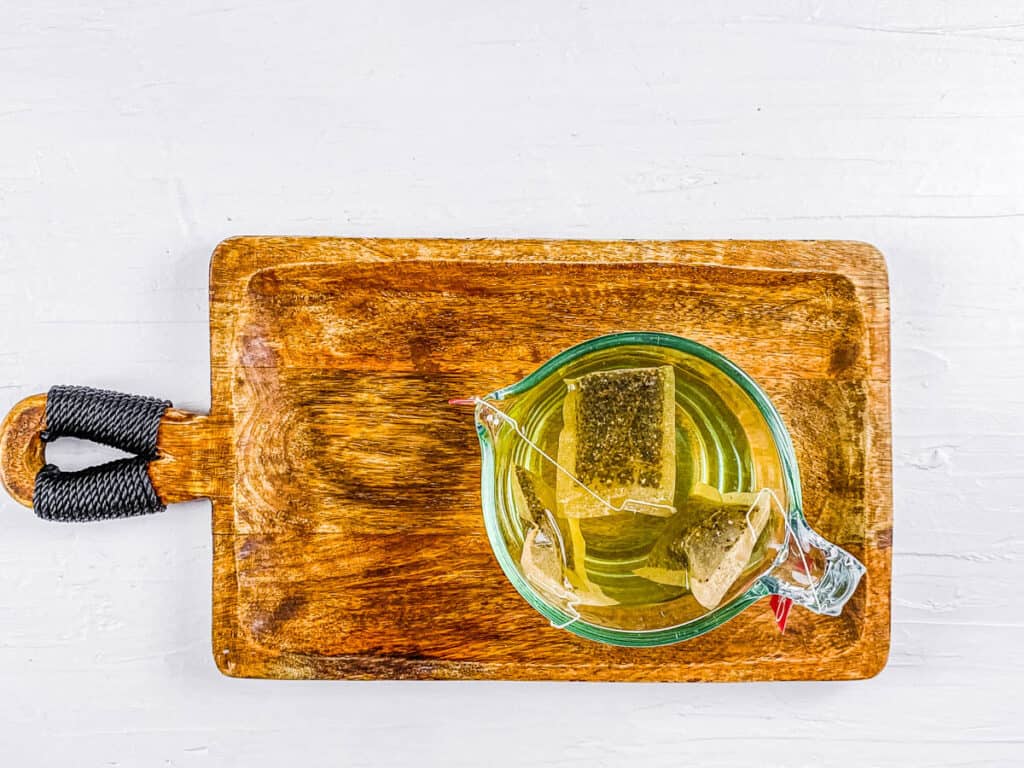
(645, 637)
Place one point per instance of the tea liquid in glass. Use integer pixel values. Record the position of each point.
(619, 565)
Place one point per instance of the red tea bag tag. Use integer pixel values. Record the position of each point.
(780, 607)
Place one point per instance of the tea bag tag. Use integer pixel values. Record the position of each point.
(780, 607)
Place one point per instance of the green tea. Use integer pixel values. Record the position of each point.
(636, 532)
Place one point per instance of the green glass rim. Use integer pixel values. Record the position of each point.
(651, 637)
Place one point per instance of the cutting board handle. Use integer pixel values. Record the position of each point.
(177, 454)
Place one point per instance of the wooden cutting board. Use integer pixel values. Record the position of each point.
(348, 535)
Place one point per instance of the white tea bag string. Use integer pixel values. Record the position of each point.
(628, 505)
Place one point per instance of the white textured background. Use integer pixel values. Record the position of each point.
(135, 135)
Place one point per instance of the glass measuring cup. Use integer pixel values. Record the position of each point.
(732, 448)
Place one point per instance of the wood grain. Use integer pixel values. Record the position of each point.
(349, 541)
(22, 453)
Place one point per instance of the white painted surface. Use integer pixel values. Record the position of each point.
(134, 136)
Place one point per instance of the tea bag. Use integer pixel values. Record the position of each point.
(532, 496)
(719, 548)
(543, 561)
(707, 545)
(618, 440)
(544, 547)
(549, 562)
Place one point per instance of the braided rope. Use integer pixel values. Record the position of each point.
(128, 422)
(119, 488)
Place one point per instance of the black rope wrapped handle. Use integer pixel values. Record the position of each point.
(120, 488)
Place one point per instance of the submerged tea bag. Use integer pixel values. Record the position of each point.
(550, 562)
(545, 556)
(618, 440)
(533, 497)
(708, 544)
(543, 561)
(719, 548)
